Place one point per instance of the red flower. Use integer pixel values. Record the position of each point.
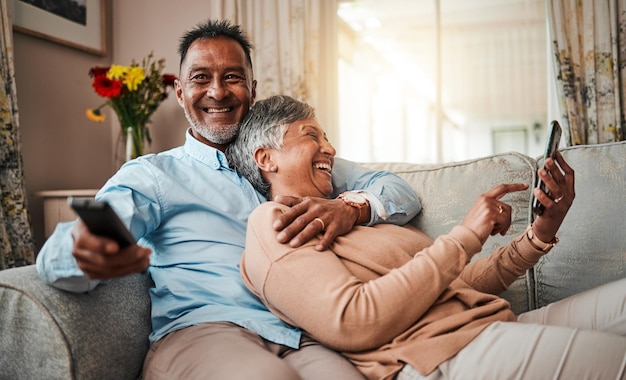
(133, 92)
(106, 87)
(98, 71)
(168, 80)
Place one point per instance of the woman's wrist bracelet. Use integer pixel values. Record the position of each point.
(537, 243)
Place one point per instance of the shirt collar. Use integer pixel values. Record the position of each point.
(214, 158)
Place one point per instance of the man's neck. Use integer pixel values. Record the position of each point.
(197, 136)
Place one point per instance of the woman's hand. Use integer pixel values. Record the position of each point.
(310, 216)
(559, 180)
(489, 216)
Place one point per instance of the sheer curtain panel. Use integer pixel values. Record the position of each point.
(295, 49)
(589, 52)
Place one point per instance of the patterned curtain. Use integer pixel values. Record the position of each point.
(589, 49)
(295, 49)
(16, 242)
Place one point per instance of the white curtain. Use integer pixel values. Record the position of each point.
(589, 52)
(295, 49)
(493, 79)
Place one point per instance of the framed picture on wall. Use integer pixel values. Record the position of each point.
(81, 24)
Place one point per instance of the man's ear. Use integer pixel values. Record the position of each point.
(263, 159)
(178, 90)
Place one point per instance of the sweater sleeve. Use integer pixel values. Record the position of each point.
(315, 290)
(493, 274)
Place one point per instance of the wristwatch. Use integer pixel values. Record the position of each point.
(534, 240)
(355, 200)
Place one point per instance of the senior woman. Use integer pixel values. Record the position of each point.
(400, 305)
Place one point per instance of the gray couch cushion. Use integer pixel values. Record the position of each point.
(58, 333)
(592, 250)
(447, 191)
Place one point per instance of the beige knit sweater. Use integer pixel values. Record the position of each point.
(384, 295)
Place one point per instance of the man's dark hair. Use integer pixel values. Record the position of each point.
(213, 29)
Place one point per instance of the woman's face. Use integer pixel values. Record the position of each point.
(304, 163)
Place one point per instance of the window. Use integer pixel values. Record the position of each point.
(412, 91)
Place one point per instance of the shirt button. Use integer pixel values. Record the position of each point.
(216, 165)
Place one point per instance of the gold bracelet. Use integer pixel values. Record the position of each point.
(537, 243)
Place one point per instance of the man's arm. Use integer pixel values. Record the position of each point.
(73, 259)
(390, 199)
(56, 264)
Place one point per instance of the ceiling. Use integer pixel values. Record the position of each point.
(397, 22)
(405, 15)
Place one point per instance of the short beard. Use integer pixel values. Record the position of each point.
(220, 135)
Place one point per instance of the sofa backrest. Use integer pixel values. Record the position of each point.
(592, 250)
(447, 191)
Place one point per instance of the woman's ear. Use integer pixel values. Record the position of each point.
(263, 159)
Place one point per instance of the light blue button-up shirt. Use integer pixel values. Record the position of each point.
(191, 209)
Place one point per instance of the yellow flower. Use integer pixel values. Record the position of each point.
(117, 72)
(134, 77)
(95, 115)
(134, 92)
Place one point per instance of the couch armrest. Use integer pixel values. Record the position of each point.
(52, 334)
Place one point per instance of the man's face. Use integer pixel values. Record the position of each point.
(215, 89)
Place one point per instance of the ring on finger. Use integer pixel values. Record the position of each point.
(558, 199)
(321, 222)
(500, 209)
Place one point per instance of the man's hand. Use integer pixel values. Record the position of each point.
(299, 225)
(101, 258)
(489, 216)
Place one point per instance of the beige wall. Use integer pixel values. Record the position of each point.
(60, 147)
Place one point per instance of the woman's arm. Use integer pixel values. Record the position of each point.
(493, 274)
(390, 200)
(316, 291)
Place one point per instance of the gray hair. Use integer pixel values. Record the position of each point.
(264, 127)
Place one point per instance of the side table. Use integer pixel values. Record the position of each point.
(55, 207)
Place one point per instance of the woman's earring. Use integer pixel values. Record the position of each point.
(273, 169)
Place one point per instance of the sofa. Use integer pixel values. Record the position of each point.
(46, 333)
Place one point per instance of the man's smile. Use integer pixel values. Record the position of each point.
(217, 110)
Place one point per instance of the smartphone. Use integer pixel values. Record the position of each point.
(101, 220)
(552, 144)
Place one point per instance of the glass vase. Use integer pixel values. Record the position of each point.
(135, 137)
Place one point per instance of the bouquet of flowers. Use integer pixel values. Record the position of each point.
(134, 92)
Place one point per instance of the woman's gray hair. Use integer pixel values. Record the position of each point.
(264, 126)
